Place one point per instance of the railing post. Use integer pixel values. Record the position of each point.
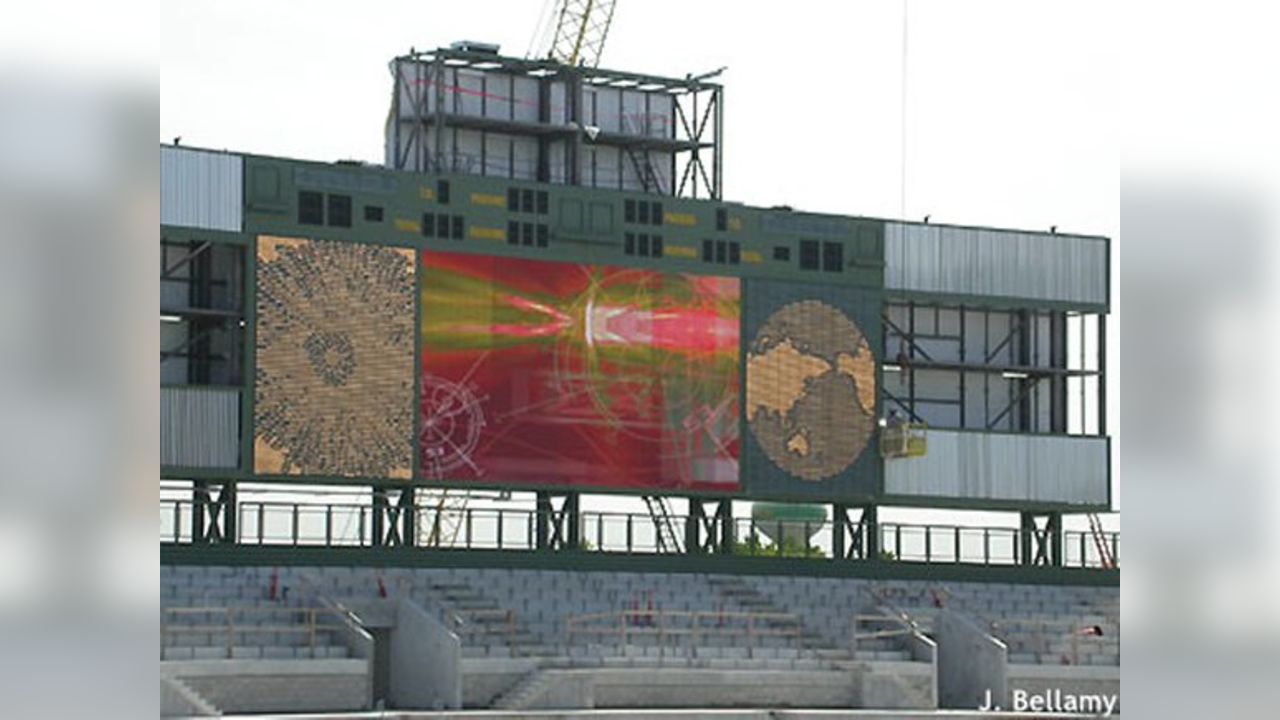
(957, 548)
(262, 522)
(311, 631)
(986, 546)
(231, 632)
(328, 525)
(499, 528)
(295, 523)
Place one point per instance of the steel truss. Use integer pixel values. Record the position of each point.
(695, 142)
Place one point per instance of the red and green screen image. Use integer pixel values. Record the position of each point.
(566, 374)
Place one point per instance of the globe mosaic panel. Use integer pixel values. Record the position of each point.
(810, 402)
(334, 353)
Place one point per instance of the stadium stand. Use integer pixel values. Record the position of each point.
(543, 638)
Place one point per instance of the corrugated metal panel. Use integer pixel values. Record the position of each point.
(201, 189)
(199, 427)
(973, 261)
(992, 466)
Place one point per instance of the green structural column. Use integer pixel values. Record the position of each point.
(839, 513)
(542, 521)
(870, 533)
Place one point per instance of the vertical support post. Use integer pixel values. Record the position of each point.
(1053, 535)
(1058, 360)
(1027, 528)
(962, 354)
(692, 526)
(379, 516)
(724, 517)
(839, 514)
(717, 161)
(570, 515)
(199, 500)
(871, 530)
(1102, 374)
(408, 517)
(573, 98)
(542, 520)
(1024, 359)
(438, 122)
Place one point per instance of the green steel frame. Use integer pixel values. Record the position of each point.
(710, 532)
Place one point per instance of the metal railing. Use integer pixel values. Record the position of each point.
(278, 523)
(230, 623)
(691, 628)
(1039, 637)
(897, 624)
(471, 623)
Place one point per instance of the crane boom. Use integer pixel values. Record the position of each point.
(581, 29)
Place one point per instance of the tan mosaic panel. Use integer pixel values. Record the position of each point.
(333, 388)
(811, 390)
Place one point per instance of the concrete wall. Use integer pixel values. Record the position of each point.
(484, 679)
(245, 686)
(636, 687)
(425, 667)
(178, 700)
(872, 685)
(1068, 680)
(970, 662)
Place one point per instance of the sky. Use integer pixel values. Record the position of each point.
(1009, 106)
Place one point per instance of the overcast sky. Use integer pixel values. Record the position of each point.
(1009, 113)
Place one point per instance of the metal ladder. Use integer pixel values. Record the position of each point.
(447, 521)
(1100, 542)
(660, 512)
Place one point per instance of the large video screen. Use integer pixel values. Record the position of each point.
(548, 373)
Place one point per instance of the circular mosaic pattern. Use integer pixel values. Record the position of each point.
(811, 390)
(452, 421)
(334, 352)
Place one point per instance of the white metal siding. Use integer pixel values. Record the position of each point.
(972, 261)
(200, 189)
(992, 466)
(199, 427)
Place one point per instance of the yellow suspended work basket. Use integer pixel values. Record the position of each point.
(904, 440)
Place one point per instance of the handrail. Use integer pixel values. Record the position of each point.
(905, 626)
(310, 627)
(277, 522)
(1047, 631)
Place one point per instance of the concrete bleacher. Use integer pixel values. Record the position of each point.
(516, 649)
(220, 613)
(229, 646)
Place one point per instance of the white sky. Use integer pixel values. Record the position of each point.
(1010, 105)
